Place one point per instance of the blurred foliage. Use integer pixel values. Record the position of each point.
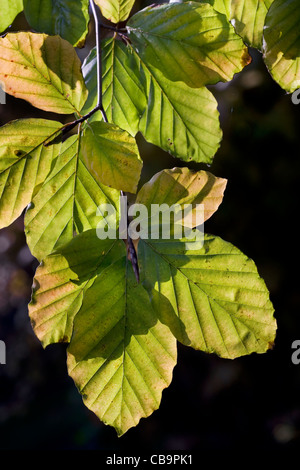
(212, 403)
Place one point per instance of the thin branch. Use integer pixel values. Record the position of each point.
(99, 61)
(131, 251)
(113, 28)
(99, 106)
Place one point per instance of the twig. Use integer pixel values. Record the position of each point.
(131, 251)
(99, 62)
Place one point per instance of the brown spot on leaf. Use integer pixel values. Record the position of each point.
(19, 153)
(64, 339)
(246, 58)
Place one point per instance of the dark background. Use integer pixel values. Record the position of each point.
(212, 404)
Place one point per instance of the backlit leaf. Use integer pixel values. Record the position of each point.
(282, 43)
(183, 186)
(188, 42)
(111, 155)
(67, 202)
(115, 10)
(222, 6)
(120, 356)
(248, 18)
(212, 298)
(44, 70)
(9, 10)
(124, 97)
(57, 293)
(24, 163)
(183, 121)
(67, 18)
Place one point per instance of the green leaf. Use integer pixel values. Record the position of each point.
(120, 355)
(44, 70)
(188, 42)
(124, 97)
(66, 18)
(248, 18)
(212, 298)
(282, 43)
(222, 6)
(111, 155)
(115, 10)
(67, 202)
(183, 121)
(183, 186)
(24, 163)
(9, 10)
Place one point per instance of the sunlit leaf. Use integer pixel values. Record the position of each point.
(120, 356)
(124, 97)
(222, 6)
(183, 186)
(212, 298)
(67, 18)
(9, 10)
(188, 42)
(115, 10)
(57, 293)
(282, 43)
(248, 18)
(44, 70)
(24, 163)
(112, 156)
(67, 202)
(183, 121)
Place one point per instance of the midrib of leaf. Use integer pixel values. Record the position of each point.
(124, 337)
(75, 178)
(46, 202)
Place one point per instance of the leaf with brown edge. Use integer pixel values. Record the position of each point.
(44, 70)
(183, 186)
(120, 356)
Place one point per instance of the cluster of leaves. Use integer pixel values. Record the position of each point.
(122, 330)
